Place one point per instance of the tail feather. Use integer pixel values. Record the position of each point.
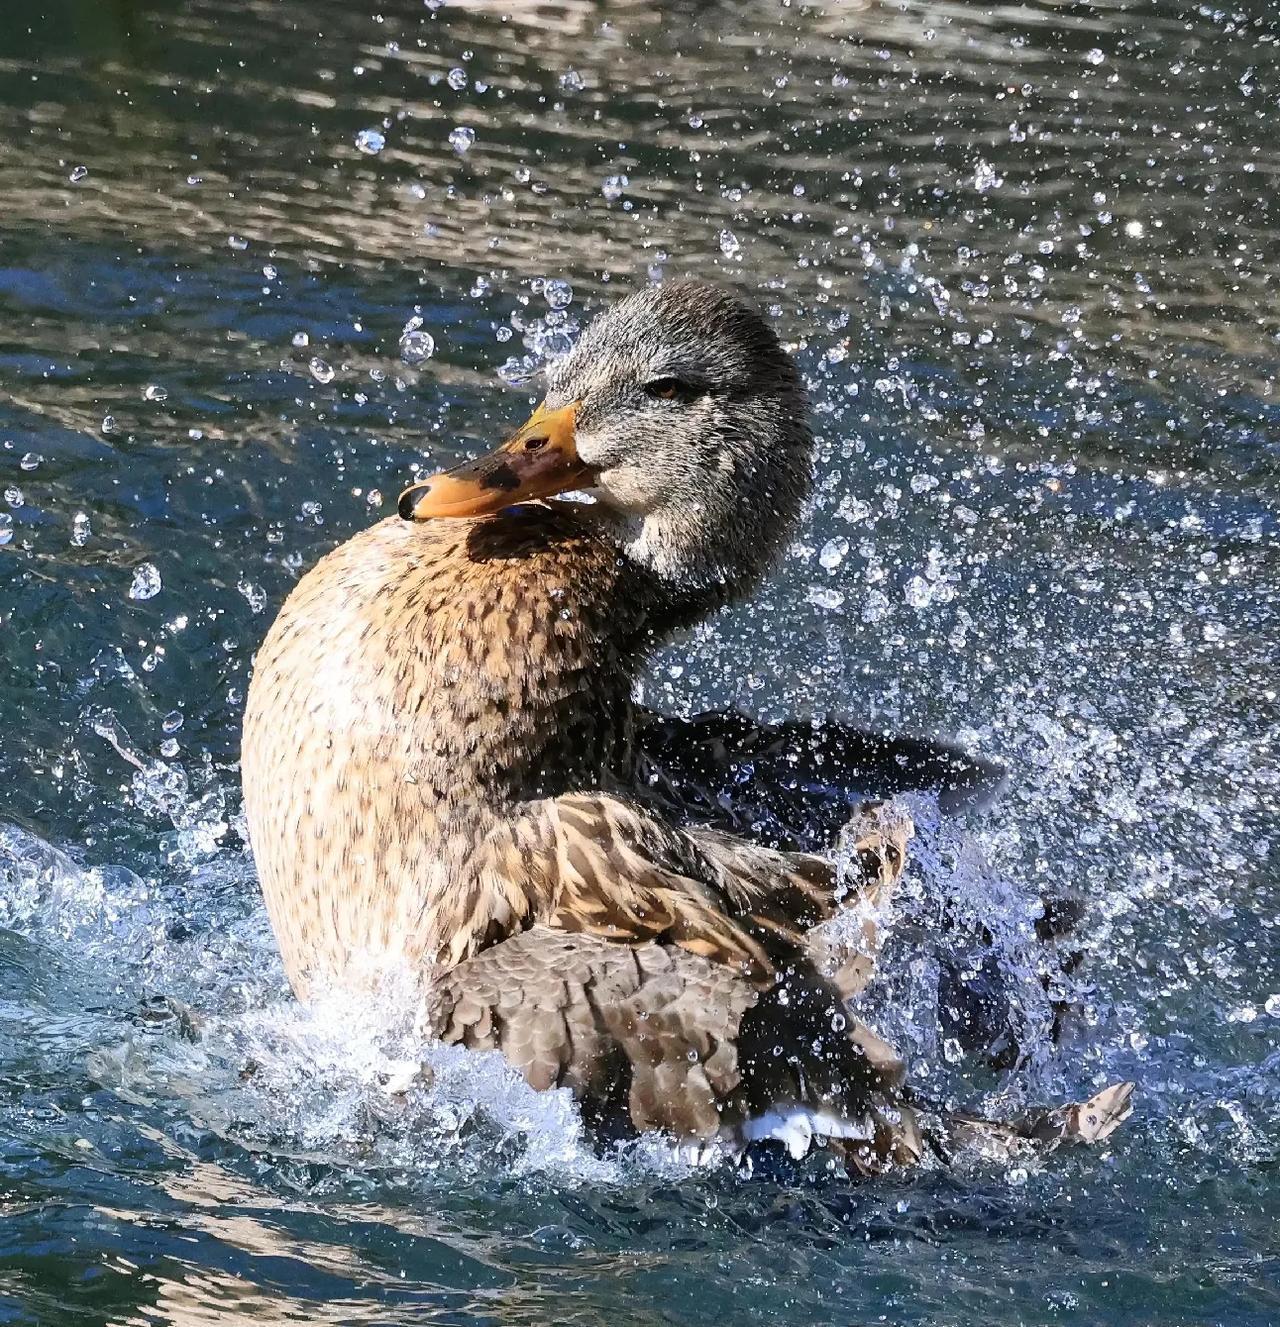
(1092, 1121)
(1087, 1122)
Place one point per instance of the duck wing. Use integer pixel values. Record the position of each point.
(651, 1036)
(666, 978)
(793, 784)
(594, 864)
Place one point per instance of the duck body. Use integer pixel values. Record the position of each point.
(444, 792)
(420, 683)
(444, 771)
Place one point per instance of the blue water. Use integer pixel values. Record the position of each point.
(1028, 258)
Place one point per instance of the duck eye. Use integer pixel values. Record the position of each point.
(534, 444)
(672, 389)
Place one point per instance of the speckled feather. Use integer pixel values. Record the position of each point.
(420, 681)
(667, 1040)
(438, 791)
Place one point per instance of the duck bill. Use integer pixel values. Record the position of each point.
(538, 461)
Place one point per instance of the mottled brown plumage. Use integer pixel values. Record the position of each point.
(419, 684)
(442, 773)
(667, 1040)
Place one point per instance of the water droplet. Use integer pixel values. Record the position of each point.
(461, 139)
(6, 527)
(853, 510)
(1096, 57)
(370, 141)
(14, 496)
(172, 721)
(614, 186)
(255, 595)
(108, 423)
(320, 370)
(169, 747)
(1272, 1006)
(876, 606)
(79, 173)
(457, 79)
(146, 582)
(729, 243)
(237, 242)
(919, 592)
(415, 344)
(551, 337)
(30, 461)
(833, 553)
(80, 530)
(154, 392)
(518, 370)
(572, 81)
(825, 597)
(270, 272)
(986, 178)
(557, 293)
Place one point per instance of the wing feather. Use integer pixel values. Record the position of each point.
(652, 1037)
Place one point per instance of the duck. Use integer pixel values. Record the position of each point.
(447, 774)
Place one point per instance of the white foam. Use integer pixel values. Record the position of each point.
(797, 1126)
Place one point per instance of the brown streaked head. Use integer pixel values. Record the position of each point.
(686, 420)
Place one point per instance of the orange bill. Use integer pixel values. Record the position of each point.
(538, 461)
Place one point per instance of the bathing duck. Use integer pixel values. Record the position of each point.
(446, 774)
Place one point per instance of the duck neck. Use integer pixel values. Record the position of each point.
(693, 559)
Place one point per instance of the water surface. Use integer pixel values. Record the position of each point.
(1028, 257)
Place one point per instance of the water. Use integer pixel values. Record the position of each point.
(1027, 256)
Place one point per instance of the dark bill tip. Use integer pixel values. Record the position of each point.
(409, 500)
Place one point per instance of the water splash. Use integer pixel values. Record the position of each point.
(345, 1081)
(146, 583)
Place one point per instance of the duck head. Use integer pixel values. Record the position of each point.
(682, 416)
